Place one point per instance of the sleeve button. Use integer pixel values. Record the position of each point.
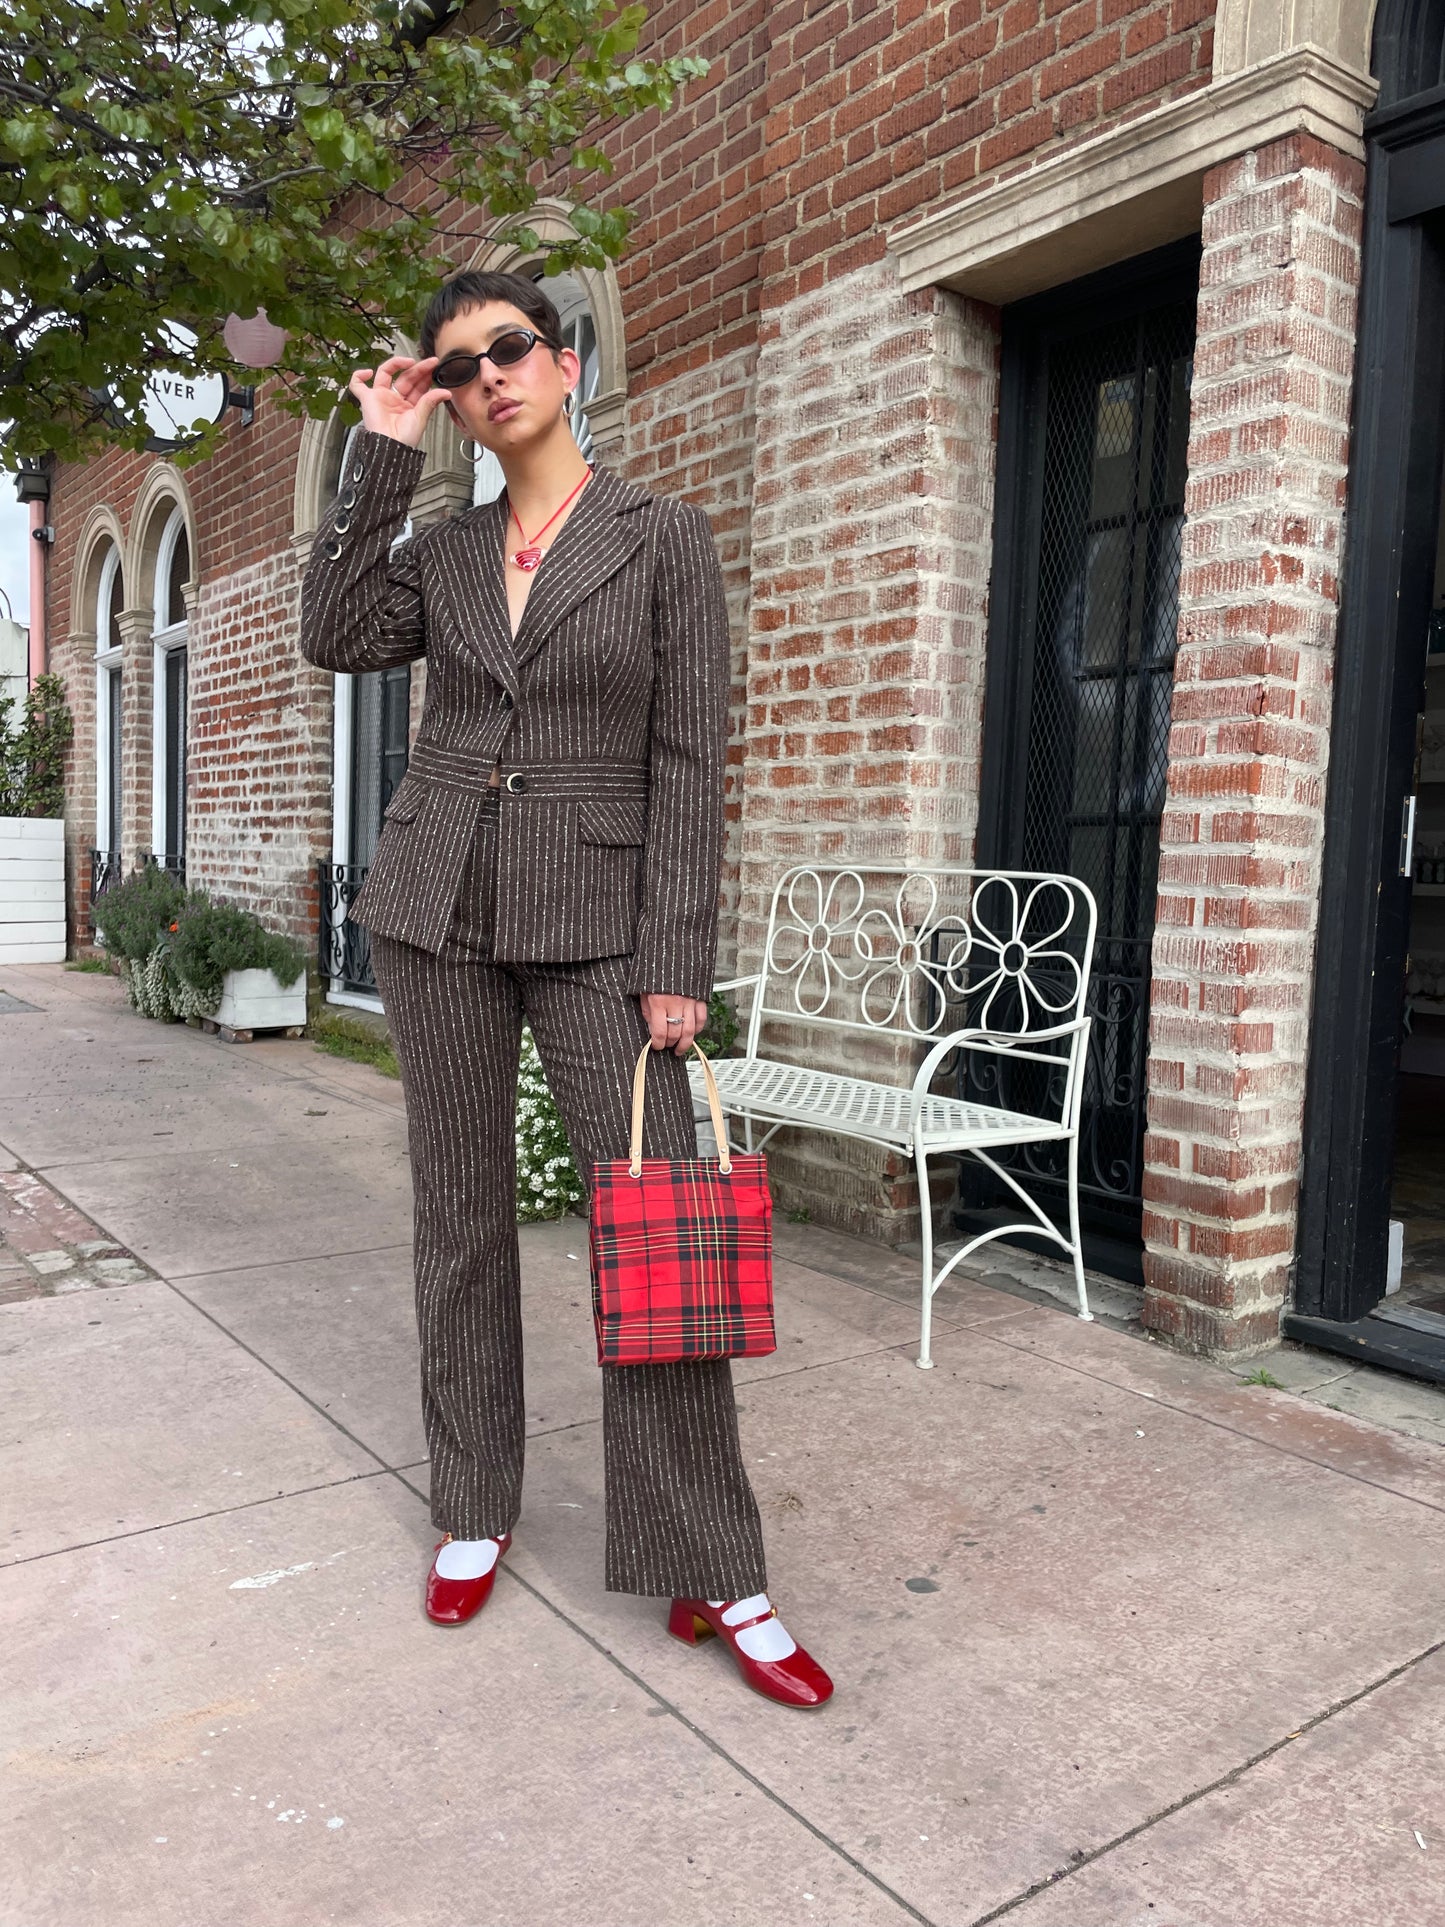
(332, 550)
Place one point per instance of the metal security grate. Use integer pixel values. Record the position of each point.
(1099, 556)
(344, 955)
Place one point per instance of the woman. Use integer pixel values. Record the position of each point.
(551, 855)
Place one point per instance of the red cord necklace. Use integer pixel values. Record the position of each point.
(530, 555)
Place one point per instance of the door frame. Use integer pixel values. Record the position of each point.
(1397, 446)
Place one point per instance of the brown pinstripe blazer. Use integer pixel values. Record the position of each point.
(608, 714)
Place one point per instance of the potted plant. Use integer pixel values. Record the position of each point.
(32, 824)
(249, 977)
(182, 956)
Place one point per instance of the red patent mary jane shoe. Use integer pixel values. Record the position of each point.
(452, 1602)
(797, 1680)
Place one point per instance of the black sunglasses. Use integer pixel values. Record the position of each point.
(505, 352)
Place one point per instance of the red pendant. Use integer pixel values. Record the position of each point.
(528, 558)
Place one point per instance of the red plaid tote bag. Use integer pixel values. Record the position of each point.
(682, 1249)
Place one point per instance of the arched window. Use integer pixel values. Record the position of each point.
(579, 333)
(109, 601)
(170, 636)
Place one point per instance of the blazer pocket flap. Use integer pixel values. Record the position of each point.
(616, 819)
(407, 801)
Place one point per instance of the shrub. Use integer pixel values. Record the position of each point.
(134, 915)
(211, 938)
(717, 1037)
(548, 1184)
(32, 758)
(174, 945)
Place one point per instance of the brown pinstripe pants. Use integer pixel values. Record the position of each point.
(681, 1516)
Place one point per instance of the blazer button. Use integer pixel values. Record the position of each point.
(516, 782)
(506, 699)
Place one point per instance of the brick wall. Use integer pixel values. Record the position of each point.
(877, 112)
(259, 765)
(1242, 833)
(242, 505)
(872, 530)
(693, 437)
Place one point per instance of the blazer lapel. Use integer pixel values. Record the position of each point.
(477, 588)
(592, 544)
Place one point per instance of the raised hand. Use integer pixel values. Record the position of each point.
(397, 398)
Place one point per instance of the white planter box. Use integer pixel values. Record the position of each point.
(32, 889)
(254, 1000)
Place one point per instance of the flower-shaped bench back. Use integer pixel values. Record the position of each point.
(922, 952)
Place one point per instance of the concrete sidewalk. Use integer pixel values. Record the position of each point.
(1118, 1639)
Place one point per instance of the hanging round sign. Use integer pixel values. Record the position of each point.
(177, 405)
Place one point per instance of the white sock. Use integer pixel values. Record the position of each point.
(770, 1640)
(467, 1558)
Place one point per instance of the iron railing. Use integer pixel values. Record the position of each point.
(173, 863)
(344, 957)
(104, 871)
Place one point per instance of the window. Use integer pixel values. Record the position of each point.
(170, 637)
(109, 601)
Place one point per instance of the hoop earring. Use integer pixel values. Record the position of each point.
(469, 441)
(569, 403)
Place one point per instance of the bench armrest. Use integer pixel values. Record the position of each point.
(1006, 1044)
(737, 983)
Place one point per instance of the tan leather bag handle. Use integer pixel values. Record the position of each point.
(714, 1104)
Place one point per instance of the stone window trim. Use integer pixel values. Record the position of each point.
(1134, 188)
(101, 533)
(162, 508)
(109, 656)
(169, 632)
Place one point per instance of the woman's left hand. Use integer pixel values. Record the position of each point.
(658, 1006)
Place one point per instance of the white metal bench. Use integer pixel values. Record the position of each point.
(982, 971)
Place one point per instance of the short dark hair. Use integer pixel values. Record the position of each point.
(472, 288)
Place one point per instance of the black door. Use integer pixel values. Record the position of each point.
(174, 856)
(115, 789)
(1397, 445)
(1094, 430)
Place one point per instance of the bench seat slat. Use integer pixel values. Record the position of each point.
(776, 1092)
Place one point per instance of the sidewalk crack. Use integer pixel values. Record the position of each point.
(1051, 1880)
(698, 1733)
